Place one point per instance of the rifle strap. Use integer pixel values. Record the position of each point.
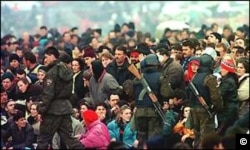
(142, 94)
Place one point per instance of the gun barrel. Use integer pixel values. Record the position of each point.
(152, 96)
(194, 89)
(157, 107)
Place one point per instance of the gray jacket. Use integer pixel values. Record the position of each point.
(99, 90)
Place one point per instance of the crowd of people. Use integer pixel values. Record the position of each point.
(76, 91)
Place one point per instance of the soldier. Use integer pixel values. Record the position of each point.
(56, 108)
(147, 120)
(206, 84)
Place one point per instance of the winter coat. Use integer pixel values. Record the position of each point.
(33, 91)
(243, 90)
(229, 93)
(129, 136)
(175, 73)
(97, 136)
(57, 90)
(120, 73)
(20, 138)
(106, 84)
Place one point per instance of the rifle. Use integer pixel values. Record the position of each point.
(152, 96)
(201, 99)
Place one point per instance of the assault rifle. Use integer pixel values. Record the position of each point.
(201, 100)
(152, 96)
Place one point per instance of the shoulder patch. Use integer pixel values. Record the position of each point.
(48, 82)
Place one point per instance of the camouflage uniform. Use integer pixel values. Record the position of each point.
(56, 108)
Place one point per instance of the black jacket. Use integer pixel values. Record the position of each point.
(20, 138)
(57, 90)
(121, 73)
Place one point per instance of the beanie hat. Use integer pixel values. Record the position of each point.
(217, 35)
(228, 65)
(42, 69)
(89, 52)
(206, 61)
(8, 75)
(89, 116)
(14, 57)
(151, 60)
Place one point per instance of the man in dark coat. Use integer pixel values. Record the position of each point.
(172, 69)
(118, 68)
(56, 108)
(21, 132)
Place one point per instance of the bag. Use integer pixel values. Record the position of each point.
(165, 88)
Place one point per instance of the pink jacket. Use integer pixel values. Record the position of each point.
(97, 136)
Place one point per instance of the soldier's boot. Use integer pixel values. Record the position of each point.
(142, 138)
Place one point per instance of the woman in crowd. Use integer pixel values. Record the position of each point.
(192, 68)
(84, 105)
(78, 90)
(106, 58)
(27, 90)
(101, 111)
(34, 119)
(243, 87)
(120, 128)
(228, 87)
(97, 134)
(184, 134)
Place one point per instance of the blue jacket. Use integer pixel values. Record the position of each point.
(129, 136)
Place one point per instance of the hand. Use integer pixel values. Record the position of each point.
(102, 116)
(183, 138)
(113, 140)
(39, 118)
(10, 148)
(136, 143)
(184, 120)
(77, 136)
(114, 108)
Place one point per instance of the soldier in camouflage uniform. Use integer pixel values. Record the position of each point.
(206, 84)
(147, 121)
(56, 108)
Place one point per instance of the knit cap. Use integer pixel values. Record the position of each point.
(89, 116)
(7, 75)
(228, 65)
